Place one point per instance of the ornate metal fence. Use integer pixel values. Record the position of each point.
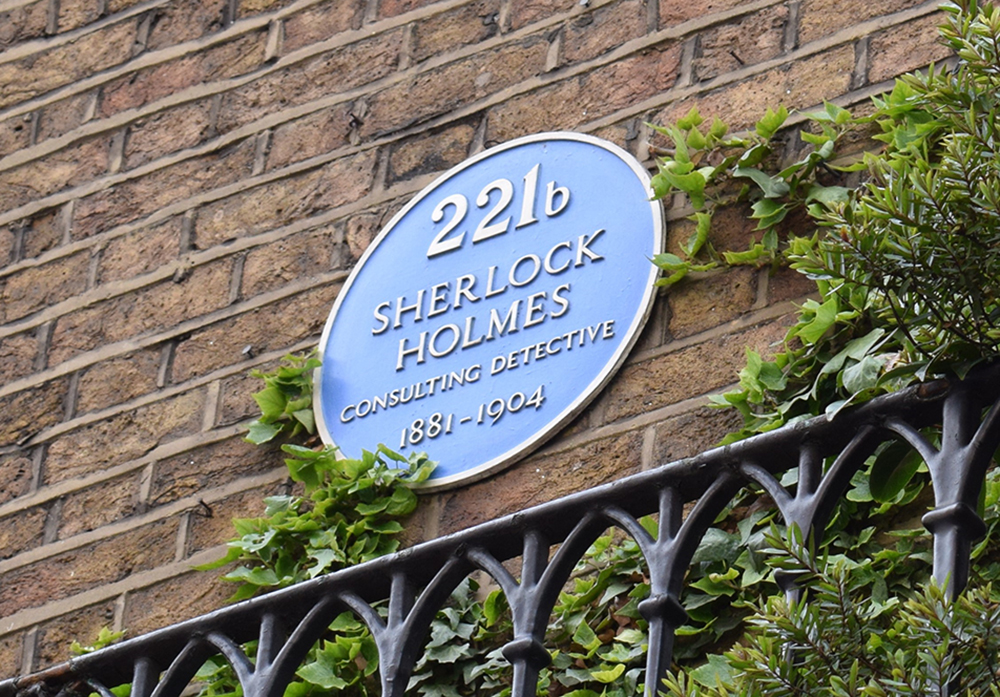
(417, 582)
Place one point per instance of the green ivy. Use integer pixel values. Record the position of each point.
(286, 400)
(349, 514)
(853, 635)
(105, 637)
(907, 267)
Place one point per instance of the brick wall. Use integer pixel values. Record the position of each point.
(185, 184)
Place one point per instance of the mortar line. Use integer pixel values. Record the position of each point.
(205, 90)
(247, 26)
(188, 262)
(8, 5)
(747, 321)
(269, 122)
(56, 430)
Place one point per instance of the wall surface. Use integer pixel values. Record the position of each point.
(185, 185)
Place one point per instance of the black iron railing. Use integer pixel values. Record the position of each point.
(417, 582)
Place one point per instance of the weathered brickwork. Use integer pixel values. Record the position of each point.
(185, 186)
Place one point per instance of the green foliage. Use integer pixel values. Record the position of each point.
(846, 636)
(462, 656)
(597, 633)
(349, 514)
(921, 239)
(715, 169)
(105, 637)
(907, 267)
(871, 612)
(286, 400)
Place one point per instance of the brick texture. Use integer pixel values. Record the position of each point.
(597, 32)
(43, 232)
(752, 39)
(94, 447)
(23, 23)
(38, 287)
(21, 532)
(90, 566)
(18, 354)
(118, 380)
(99, 505)
(819, 18)
(66, 63)
(140, 251)
(15, 475)
(186, 185)
(468, 24)
(320, 22)
(66, 168)
(190, 473)
(55, 637)
(65, 115)
(154, 308)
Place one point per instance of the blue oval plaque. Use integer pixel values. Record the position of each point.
(493, 307)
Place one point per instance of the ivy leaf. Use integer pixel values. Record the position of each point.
(718, 129)
(692, 120)
(828, 195)
(105, 637)
(753, 256)
(305, 472)
(324, 671)
(855, 348)
(892, 470)
(402, 502)
(259, 432)
(608, 676)
(668, 261)
(754, 156)
(271, 401)
(585, 637)
(256, 576)
(863, 375)
(306, 418)
(716, 545)
(772, 187)
(769, 124)
(696, 140)
(717, 671)
(324, 560)
(771, 376)
(492, 607)
(448, 652)
(826, 315)
(717, 584)
(769, 213)
(700, 235)
(831, 113)
(692, 184)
